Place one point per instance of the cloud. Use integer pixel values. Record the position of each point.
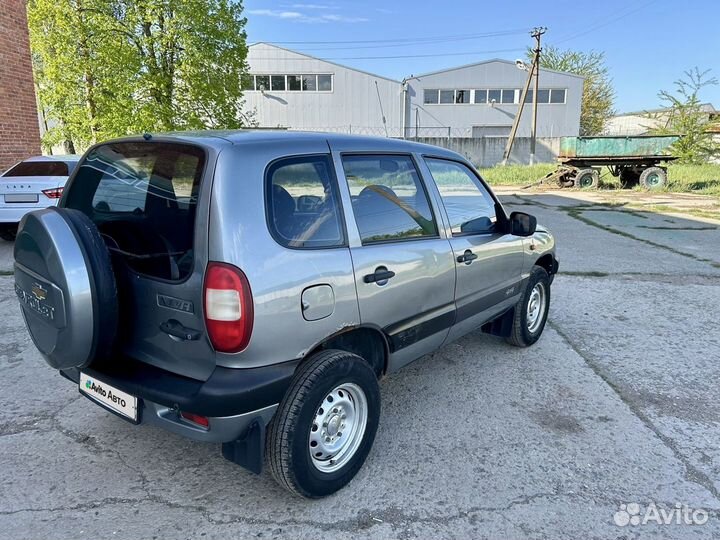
(304, 17)
(313, 6)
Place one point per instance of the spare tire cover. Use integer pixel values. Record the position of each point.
(66, 287)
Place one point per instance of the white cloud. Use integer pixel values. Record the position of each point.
(304, 17)
(342, 18)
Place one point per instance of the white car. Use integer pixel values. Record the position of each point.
(34, 183)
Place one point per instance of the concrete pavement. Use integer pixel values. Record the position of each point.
(616, 404)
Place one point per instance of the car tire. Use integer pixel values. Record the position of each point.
(653, 178)
(331, 388)
(532, 310)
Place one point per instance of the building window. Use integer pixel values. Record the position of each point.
(557, 96)
(544, 96)
(494, 96)
(277, 82)
(508, 96)
(481, 96)
(325, 83)
(430, 96)
(462, 96)
(309, 83)
(447, 96)
(294, 83)
(262, 82)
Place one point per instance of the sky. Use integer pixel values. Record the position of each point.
(648, 44)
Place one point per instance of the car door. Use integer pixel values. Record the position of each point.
(488, 260)
(403, 264)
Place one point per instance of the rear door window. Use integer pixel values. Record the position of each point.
(39, 168)
(143, 198)
(303, 203)
(389, 200)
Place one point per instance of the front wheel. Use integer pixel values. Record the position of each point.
(532, 310)
(325, 426)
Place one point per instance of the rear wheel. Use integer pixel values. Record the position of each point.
(325, 425)
(532, 310)
(653, 178)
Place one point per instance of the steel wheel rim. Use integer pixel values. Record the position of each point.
(586, 181)
(653, 179)
(536, 307)
(338, 427)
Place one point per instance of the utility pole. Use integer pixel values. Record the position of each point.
(534, 69)
(536, 33)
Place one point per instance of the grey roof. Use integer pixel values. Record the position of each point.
(323, 60)
(270, 136)
(493, 60)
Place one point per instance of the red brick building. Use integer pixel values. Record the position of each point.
(19, 128)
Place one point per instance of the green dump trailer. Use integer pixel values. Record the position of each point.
(636, 160)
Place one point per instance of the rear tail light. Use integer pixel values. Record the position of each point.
(228, 307)
(54, 193)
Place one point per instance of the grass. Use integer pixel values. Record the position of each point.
(516, 174)
(701, 179)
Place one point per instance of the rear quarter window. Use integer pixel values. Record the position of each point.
(303, 206)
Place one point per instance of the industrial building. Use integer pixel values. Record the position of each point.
(288, 89)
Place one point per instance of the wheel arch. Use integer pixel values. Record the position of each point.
(367, 341)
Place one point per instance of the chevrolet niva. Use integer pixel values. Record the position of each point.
(251, 288)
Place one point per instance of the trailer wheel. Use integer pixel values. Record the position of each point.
(587, 179)
(653, 178)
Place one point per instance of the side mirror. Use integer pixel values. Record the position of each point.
(522, 224)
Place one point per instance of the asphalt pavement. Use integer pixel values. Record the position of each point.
(606, 428)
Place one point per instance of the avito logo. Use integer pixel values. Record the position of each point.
(98, 389)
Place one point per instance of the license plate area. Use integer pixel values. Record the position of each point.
(21, 197)
(109, 397)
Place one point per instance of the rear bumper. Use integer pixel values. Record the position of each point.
(231, 398)
(13, 215)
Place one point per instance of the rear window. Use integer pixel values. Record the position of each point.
(39, 168)
(143, 198)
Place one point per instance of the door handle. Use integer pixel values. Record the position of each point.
(467, 257)
(381, 274)
(175, 329)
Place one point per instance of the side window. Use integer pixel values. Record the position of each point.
(389, 201)
(469, 205)
(303, 209)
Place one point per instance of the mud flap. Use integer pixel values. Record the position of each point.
(248, 450)
(500, 326)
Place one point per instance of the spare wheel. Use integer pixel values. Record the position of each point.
(66, 287)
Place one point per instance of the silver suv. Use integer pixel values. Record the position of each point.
(251, 288)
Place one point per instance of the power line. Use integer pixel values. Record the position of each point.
(606, 22)
(406, 40)
(468, 53)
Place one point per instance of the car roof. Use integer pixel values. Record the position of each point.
(65, 158)
(270, 136)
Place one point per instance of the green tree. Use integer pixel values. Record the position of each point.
(684, 116)
(107, 68)
(598, 93)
